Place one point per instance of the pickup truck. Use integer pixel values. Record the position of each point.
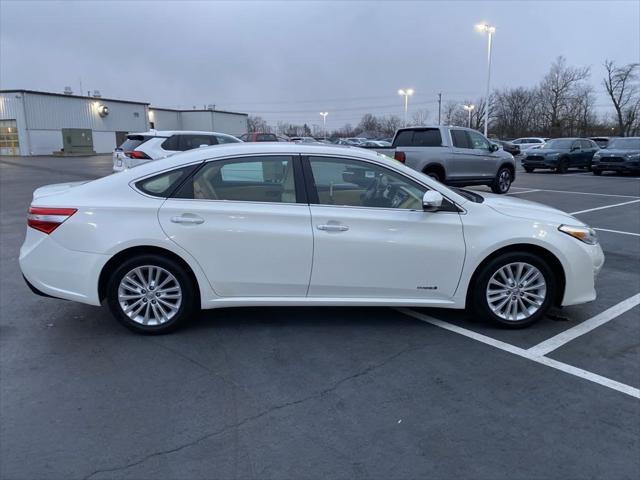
(454, 156)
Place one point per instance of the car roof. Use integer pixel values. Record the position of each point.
(168, 133)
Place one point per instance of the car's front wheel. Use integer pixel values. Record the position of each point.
(502, 183)
(597, 171)
(515, 289)
(529, 169)
(151, 294)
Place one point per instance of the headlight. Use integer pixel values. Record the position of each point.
(584, 234)
(633, 156)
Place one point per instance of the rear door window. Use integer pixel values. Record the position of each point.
(460, 139)
(171, 143)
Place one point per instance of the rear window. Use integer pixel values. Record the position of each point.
(424, 137)
(133, 141)
(164, 184)
(266, 137)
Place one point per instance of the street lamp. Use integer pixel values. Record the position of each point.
(324, 123)
(469, 108)
(406, 93)
(486, 28)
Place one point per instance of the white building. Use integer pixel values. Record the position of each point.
(44, 123)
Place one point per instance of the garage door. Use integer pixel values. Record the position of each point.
(9, 144)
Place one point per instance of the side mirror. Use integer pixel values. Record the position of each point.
(432, 201)
(493, 147)
(574, 148)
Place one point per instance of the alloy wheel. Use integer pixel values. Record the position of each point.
(516, 291)
(149, 295)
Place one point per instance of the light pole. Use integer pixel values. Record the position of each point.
(486, 28)
(324, 124)
(406, 93)
(469, 108)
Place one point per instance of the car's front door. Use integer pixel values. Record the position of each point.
(246, 225)
(372, 238)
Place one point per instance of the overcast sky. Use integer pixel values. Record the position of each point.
(290, 60)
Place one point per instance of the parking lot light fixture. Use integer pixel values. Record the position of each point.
(469, 108)
(406, 93)
(489, 29)
(324, 123)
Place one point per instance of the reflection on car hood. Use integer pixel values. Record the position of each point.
(517, 207)
(548, 151)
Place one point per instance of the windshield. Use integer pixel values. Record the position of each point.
(560, 143)
(624, 143)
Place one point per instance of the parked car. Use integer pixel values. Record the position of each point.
(375, 143)
(601, 141)
(508, 147)
(454, 156)
(304, 140)
(621, 155)
(560, 154)
(242, 224)
(526, 143)
(144, 147)
(260, 137)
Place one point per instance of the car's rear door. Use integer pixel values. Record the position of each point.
(372, 237)
(248, 225)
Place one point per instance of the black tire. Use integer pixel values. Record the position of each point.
(435, 175)
(478, 295)
(562, 166)
(502, 183)
(167, 266)
(597, 172)
(529, 169)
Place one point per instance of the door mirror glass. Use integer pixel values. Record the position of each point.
(432, 201)
(494, 147)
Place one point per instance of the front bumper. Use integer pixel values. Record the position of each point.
(629, 166)
(585, 263)
(540, 162)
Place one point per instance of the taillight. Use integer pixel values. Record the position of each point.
(137, 154)
(48, 219)
(400, 156)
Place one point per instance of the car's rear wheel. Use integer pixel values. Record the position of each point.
(151, 294)
(515, 289)
(529, 169)
(502, 183)
(597, 171)
(434, 174)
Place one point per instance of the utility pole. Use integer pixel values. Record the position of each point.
(439, 107)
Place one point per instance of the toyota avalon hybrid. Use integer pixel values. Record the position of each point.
(292, 224)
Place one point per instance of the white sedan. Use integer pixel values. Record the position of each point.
(294, 224)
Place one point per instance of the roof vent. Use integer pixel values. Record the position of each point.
(97, 94)
(68, 91)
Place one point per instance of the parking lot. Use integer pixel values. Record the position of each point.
(325, 392)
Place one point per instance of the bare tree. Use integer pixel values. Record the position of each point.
(514, 112)
(257, 124)
(556, 90)
(389, 124)
(420, 117)
(622, 86)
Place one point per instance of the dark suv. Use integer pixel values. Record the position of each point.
(621, 155)
(560, 154)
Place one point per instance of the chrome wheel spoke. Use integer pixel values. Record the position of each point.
(150, 295)
(516, 291)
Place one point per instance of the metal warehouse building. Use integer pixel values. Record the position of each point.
(44, 123)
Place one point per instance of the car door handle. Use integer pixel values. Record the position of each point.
(189, 220)
(333, 228)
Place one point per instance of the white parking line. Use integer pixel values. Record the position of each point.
(559, 340)
(605, 207)
(526, 191)
(616, 231)
(521, 352)
(578, 193)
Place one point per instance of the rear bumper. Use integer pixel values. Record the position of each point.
(52, 270)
